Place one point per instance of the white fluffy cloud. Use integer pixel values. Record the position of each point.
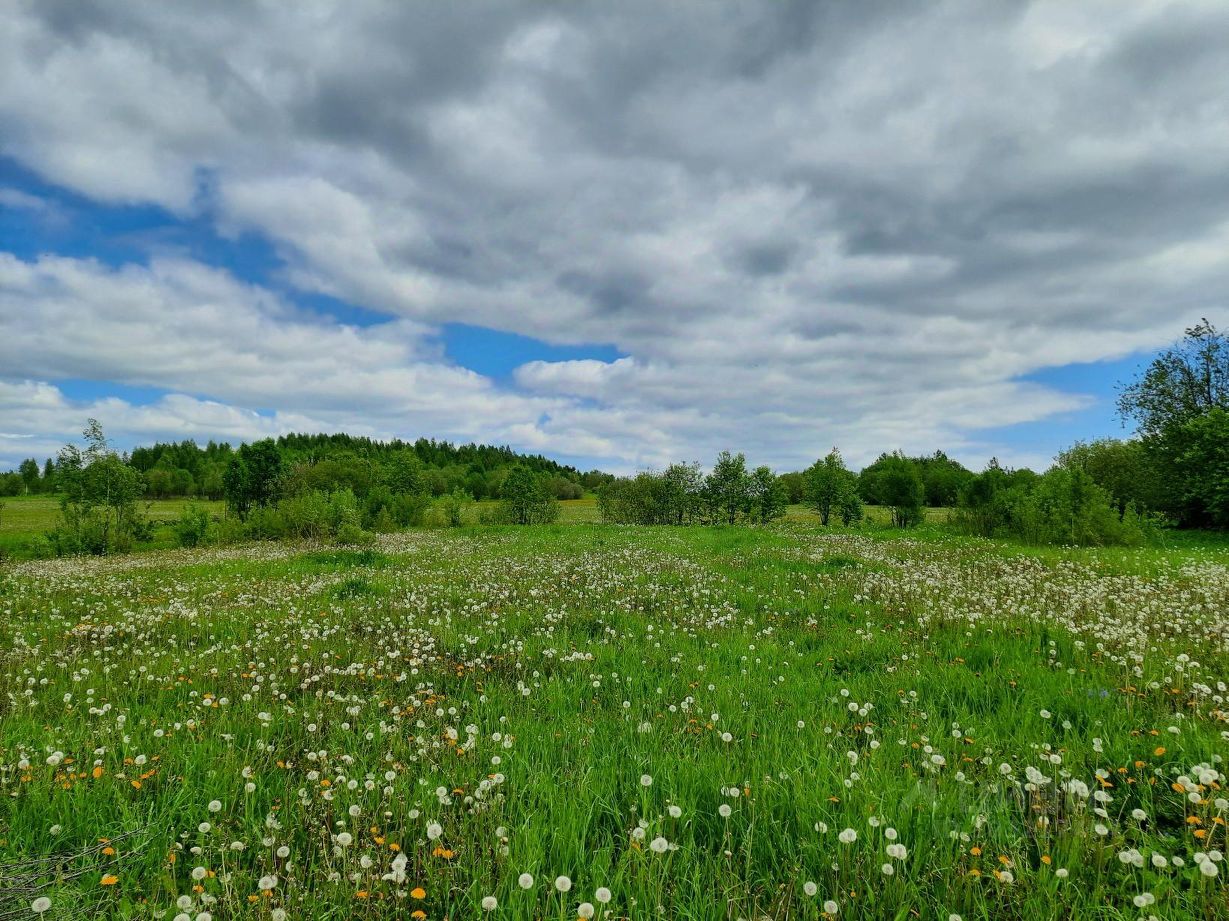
(801, 223)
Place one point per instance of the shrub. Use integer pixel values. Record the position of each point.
(192, 528)
(1064, 506)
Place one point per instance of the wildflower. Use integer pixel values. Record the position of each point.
(724, 810)
(435, 831)
(810, 888)
(563, 884)
(675, 812)
(199, 873)
(345, 839)
(489, 903)
(215, 806)
(887, 869)
(646, 780)
(40, 905)
(602, 896)
(109, 880)
(848, 836)
(659, 845)
(830, 907)
(267, 882)
(585, 910)
(418, 892)
(525, 881)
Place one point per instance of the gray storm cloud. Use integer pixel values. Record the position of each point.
(802, 223)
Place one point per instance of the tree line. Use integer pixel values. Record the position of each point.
(187, 470)
(1175, 471)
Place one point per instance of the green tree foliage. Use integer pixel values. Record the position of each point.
(895, 481)
(98, 506)
(526, 498)
(1063, 506)
(1178, 404)
(30, 479)
(254, 477)
(1199, 458)
(768, 496)
(794, 484)
(849, 508)
(728, 487)
(1181, 384)
(1124, 469)
(829, 484)
(333, 462)
(942, 479)
(681, 494)
(192, 526)
(449, 509)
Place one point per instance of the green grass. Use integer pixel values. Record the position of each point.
(25, 519)
(514, 685)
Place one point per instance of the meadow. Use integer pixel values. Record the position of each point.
(585, 720)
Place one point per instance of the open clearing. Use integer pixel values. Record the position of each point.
(708, 723)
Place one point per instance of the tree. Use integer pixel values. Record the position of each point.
(682, 488)
(1176, 404)
(525, 498)
(211, 484)
(728, 487)
(942, 479)
(768, 496)
(98, 512)
(28, 470)
(1201, 463)
(254, 477)
(795, 484)
(1123, 469)
(49, 483)
(897, 484)
(828, 484)
(1181, 383)
(849, 508)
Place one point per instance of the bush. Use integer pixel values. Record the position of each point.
(1064, 506)
(192, 528)
(526, 498)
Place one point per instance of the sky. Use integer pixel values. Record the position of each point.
(617, 234)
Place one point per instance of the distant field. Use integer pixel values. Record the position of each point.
(31, 515)
(35, 514)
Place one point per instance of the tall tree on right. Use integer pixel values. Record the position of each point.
(1180, 404)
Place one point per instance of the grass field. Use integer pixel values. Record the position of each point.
(691, 723)
(26, 518)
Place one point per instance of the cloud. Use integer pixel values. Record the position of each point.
(802, 223)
